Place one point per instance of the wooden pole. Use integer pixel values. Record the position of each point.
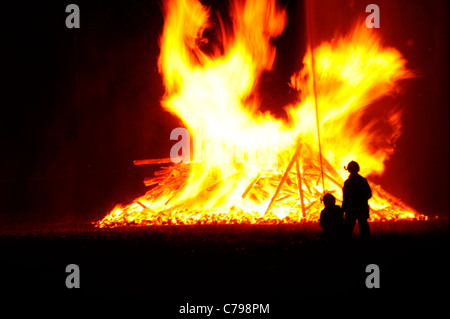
(153, 161)
(250, 186)
(309, 12)
(283, 179)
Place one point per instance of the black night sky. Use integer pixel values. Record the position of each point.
(78, 106)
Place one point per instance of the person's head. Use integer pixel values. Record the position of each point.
(329, 200)
(352, 167)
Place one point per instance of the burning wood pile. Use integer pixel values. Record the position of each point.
(294, 196)
(215, 95)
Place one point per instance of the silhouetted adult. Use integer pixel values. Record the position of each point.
(331, 219)
(356, 193)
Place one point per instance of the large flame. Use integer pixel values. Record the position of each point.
(242, 169)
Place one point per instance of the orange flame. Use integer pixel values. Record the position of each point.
(241, 155)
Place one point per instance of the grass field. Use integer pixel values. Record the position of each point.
(281, 264)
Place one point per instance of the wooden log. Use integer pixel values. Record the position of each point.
(283, 179)
(283, 198)
(144, 206)
(153, 161)
(140, 204)
(250, 186)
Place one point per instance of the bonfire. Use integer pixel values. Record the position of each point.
(248, 166)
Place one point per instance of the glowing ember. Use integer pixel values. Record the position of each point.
(232, 177)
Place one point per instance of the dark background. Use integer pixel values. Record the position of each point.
(79, 105)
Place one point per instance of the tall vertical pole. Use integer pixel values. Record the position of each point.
(311, 48)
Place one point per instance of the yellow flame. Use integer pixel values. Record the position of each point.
(236, 145)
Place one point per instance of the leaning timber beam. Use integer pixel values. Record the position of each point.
(250, 186)
(283, 179)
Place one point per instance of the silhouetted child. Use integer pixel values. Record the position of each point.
(331, 219)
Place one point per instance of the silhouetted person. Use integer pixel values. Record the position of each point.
(356, 193)
(331, 219)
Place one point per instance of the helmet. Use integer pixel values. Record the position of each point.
(352, 167)
(329, 200)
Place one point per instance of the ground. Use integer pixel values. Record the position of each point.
(286, 266)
